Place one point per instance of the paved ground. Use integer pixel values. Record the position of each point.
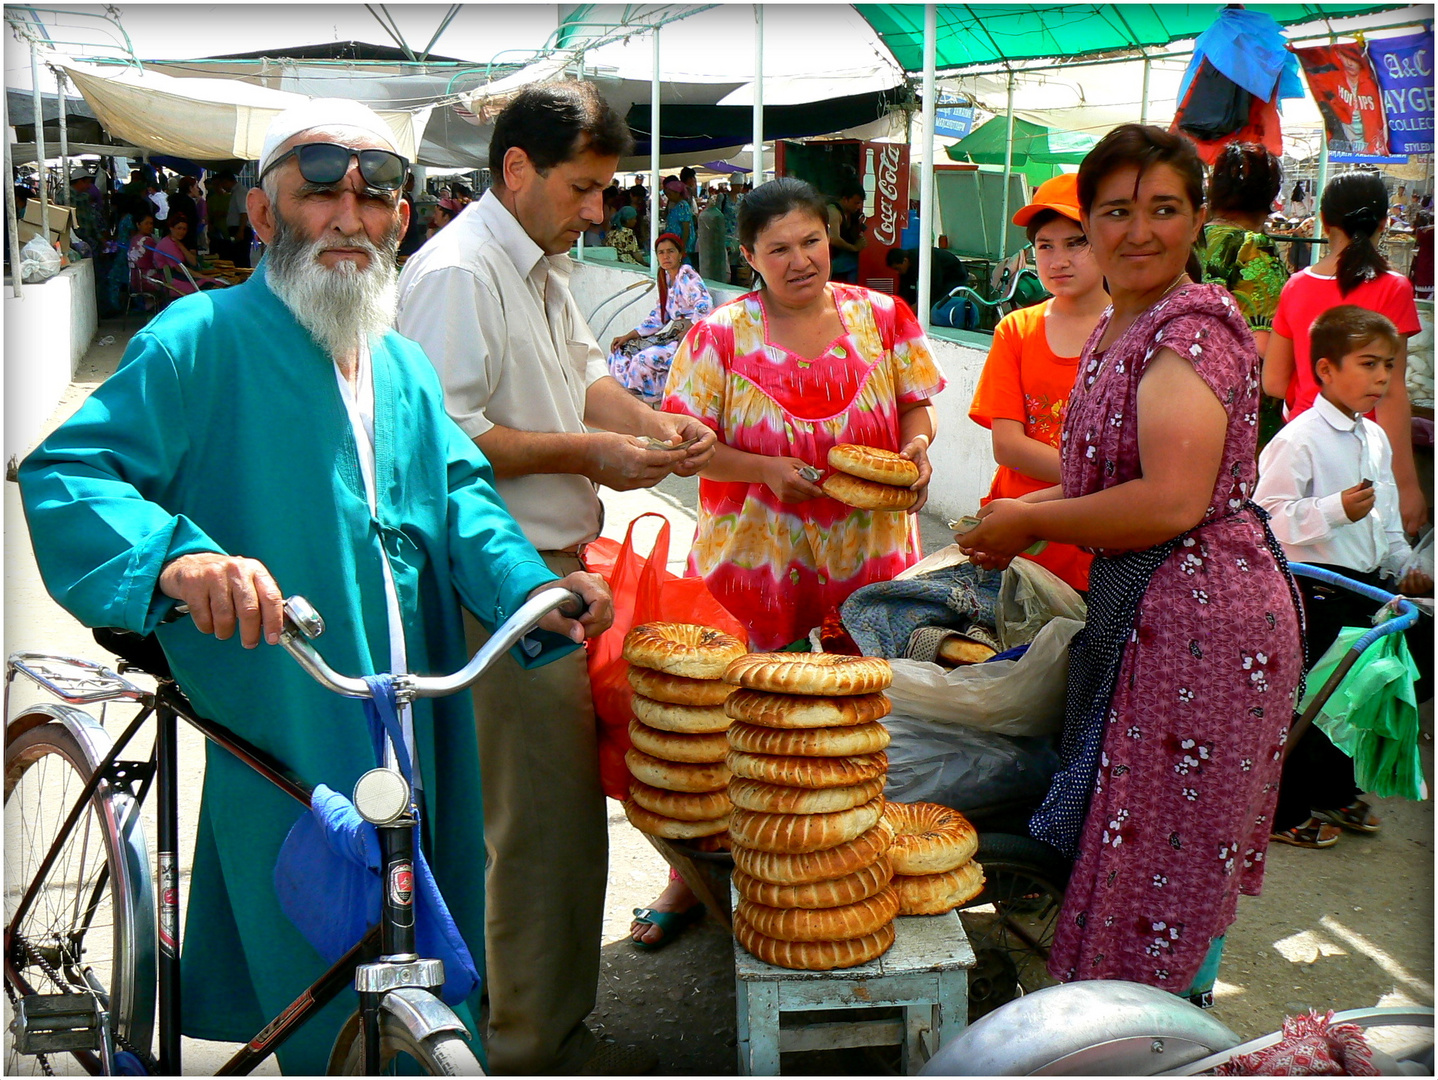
(1343, 928)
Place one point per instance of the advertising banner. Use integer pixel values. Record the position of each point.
(1347, 92)
(1404, 66)
(886, 174)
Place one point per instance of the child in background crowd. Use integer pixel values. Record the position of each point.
(1327, 479)
(1031, 366)
(1354, 211)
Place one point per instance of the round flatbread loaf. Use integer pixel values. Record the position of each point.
(959, 651)
(935, 894)
(820, 674)
(781, 799)
(671, 746)
(929, 838)
(872, 463)
(867, 495)
(646, 821)
(849, 889)
(824, 865)
(676, 775)
(813, 955)
(686, 719)
(809, 742)
(693, 652)
(680, 805)
(806, 710)
(822, 924)
(808, 772)
(676, 690)
(794, 834)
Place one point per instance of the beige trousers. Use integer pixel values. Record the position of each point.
(547, 843)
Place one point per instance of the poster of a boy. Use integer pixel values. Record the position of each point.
(1327, 480)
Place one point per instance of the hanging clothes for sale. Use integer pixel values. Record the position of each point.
(1241, 69)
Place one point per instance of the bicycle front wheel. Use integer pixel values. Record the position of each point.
(86, 925)
(402, 1050)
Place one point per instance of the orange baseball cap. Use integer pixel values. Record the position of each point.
(1059, 194)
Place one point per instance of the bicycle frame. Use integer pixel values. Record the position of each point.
(383, 961)
(166, 704)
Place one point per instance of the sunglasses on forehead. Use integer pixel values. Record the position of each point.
(327, 163)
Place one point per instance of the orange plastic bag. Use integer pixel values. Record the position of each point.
(644, 591)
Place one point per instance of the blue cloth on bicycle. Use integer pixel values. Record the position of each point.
(224, 430)
(329, 873)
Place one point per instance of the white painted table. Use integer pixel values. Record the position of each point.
(925, 974)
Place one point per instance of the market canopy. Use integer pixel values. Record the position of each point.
(202, 119)
(971, 35)
(1034, 144)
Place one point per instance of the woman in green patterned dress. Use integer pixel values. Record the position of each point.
(1237, 255)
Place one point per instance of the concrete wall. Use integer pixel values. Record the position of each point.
(47, 331)
(963, 454)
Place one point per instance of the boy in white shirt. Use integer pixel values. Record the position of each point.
(1327, 480)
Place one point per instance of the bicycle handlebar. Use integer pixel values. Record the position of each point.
(1406, 613)
(302, 623)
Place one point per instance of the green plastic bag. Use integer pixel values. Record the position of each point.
(1373, 714)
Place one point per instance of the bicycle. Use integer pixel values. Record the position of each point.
(92, 948)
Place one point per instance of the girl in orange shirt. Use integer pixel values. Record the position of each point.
(1031, 366)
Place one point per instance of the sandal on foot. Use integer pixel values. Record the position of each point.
(1357, 816)
(669, 923)
(1311, 834)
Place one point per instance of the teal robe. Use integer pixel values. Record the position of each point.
(224, 430)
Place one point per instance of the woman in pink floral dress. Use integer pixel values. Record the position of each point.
(1182, 684)
(783, 374)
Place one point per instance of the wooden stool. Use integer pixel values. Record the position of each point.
(925, 973)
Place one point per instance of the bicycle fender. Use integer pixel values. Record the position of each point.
(421, 1012)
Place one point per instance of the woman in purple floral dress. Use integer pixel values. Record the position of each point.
(1182, 684)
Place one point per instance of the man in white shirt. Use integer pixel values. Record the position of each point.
(489, 300)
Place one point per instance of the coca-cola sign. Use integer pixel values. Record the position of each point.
(886, 174)
(888, 161)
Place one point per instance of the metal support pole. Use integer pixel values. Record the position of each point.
(12, 225)
(926, 171)
(1008, 171)
(64, 140)
(757, 176)
(655, 226)
(1318, 193)
(1143, 105)
(40, 141)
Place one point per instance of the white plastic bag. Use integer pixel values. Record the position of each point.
(38, 261)
(1011, 697)
(1029, 596)
(1421, 557)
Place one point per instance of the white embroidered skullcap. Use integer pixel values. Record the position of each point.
(329, 114)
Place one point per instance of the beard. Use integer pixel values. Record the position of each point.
(341, 306)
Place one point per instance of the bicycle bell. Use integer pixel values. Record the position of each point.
(381, 796)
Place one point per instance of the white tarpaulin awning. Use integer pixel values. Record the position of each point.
(202, 119)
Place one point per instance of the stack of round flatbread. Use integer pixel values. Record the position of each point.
(869, 478)
(676, 762)
(808, 832)
(933, 858)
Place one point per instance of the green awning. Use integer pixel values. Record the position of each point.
(1034, 144)
(971, 35)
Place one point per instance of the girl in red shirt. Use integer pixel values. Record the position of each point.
(1354, 211)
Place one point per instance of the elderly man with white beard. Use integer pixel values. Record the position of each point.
(278, 433)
